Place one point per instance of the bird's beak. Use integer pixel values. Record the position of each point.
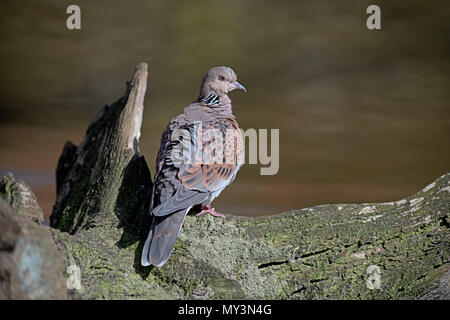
(239, 86)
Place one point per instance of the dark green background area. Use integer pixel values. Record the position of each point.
(363, 115)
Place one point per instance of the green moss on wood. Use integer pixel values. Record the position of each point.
(316, 253)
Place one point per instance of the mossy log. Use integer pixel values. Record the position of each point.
(395, 250)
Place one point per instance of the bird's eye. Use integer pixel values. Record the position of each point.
(221, 78)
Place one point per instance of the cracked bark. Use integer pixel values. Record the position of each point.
(99, 223)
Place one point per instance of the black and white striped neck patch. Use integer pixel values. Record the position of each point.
(211, 100)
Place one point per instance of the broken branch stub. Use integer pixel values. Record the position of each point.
(90, 177)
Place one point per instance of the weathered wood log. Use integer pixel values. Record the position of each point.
(31, 266)
(391, 250)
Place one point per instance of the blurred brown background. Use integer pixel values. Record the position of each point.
(363, 115)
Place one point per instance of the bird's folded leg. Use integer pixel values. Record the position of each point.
(211, 211)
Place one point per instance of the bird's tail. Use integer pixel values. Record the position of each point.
(161, 238)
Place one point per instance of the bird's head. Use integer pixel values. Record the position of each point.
(220, 81)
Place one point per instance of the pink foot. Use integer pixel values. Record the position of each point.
(211, 211)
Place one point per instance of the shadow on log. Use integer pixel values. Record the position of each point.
(396, 250)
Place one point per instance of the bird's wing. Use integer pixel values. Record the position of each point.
(218, 159)
(182, 182)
